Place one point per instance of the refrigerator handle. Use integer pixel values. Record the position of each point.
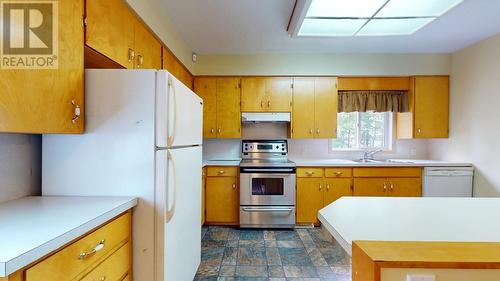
(171, 85)
(171, 210)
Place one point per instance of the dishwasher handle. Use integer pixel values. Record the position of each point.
(449, 173)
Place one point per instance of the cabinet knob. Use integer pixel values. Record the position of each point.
(76, 112)
(269, 104)
(219, 130)
(317, 131)
(391, 187)
(310, 131)
(327, 186)
(385, 187)
(140, 60)
(212, 131)
(419, 130)
(261, 104)
(320, 186)
(103, 278)
(234, 186)
(131, 55)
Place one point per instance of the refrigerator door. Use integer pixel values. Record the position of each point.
(179, 113)
(178, 213)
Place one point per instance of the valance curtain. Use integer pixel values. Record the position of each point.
(378, 101)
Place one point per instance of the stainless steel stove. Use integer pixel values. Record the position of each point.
(267, 185)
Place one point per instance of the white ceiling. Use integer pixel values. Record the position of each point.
(259, 26)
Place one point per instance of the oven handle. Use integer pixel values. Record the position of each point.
(250, 170)
(267, 210)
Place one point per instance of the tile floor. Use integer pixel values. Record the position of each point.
(230, 254)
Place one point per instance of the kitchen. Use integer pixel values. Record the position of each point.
(278, 116)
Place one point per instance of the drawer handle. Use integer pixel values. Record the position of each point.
(309, 173)
(221, 172)
(103, 278)
(96, 249)
(338, 174)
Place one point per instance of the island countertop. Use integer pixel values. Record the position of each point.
(32, 227)
(412, 219)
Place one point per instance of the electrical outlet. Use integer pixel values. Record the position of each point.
(420, 277)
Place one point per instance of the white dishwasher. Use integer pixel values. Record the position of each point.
(448, 181)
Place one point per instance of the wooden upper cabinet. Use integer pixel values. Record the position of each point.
(206, 88)
(44, 100)
(325, 108)
(253, 94)
(303, 105)
(110, 30)
(429, 109)
(279, 94)
(147, 48)
(314, 108)
(172, 65)
(228, 108)
(373, 83)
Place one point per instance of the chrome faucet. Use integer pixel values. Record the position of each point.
(368, 155)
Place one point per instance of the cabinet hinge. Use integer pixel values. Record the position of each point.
(84, 22)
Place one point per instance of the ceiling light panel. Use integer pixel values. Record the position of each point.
(417, 8)
(389, 27)
(330, 27)
(345, 8)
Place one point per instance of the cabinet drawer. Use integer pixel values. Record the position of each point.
(338, 172)
(68, 263)
(386, 172)
(309, 172)
(222, 171)
(113, 268)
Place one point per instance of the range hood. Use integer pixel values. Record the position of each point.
(260, 117)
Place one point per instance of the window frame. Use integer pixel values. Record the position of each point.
(388, 135)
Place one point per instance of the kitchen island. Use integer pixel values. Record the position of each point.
(412, 219)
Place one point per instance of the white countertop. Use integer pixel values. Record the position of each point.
(412, 219)
(222, 162)
(32, 227)
(303, 162)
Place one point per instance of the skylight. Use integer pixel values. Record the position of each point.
(369, 17)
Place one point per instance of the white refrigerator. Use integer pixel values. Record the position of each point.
(143, 138)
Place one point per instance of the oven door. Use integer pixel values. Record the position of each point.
(267, 186)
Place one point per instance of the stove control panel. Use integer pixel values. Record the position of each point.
(265, 146)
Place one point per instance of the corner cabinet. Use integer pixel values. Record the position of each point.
(429, 109)
(48, 100)
(266, 94)
(221, 110)
(315, 102)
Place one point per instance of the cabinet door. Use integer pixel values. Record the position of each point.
(147, 48)
(405, 187)
(279, 94)
(253, 94)
(228, 108)
(325, 108)
(172, 65)
(222, 200)
(336, 188)
(303, 107)
(207, 90)
(40, 101)
(371, 187)
(309, 199)
(110, 30)
(431, 107)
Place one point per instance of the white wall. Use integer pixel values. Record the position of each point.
(20, 163)
(475, 114)
(323, 64)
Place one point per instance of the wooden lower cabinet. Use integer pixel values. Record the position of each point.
(405, 187)
(222, 199)
(370, 187)
(309, 199)
(76, 261)
(336, 188)
(315, 192)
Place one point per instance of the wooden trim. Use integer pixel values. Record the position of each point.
(443, 255)
(373, 83)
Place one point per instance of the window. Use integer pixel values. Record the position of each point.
(363, 130)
